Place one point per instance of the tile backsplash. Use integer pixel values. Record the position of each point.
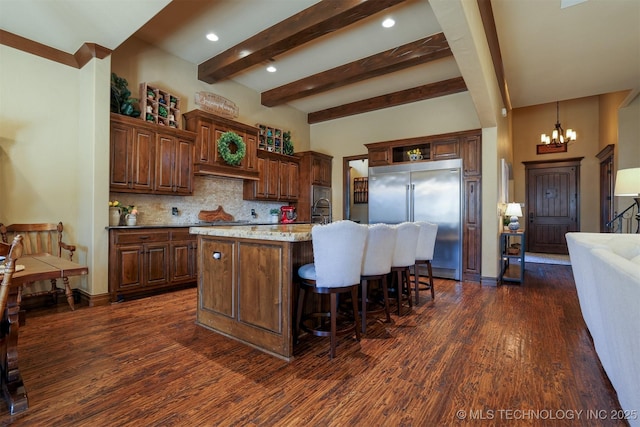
(209, 192)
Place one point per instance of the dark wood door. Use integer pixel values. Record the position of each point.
(552, 205)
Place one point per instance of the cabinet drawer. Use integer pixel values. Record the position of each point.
(182, 234)
(141, 237)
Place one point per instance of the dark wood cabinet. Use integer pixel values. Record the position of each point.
(321, 169)
(145, 260)
(149, 159)
(183, 249)
(465, 145)
(174, 165)
(315, 169)
(207, 161)
(445, 149)
(252, 304)
(278, 178)
(131, 157)
(472, 155)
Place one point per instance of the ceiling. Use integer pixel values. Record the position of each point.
(548, 52)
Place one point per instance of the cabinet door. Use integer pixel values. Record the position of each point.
(472, 226)
(442, 150)
(183, 261)
(250, 159)
(165, 162)
(321, 171)
(217, 281)
(261, 185)
(156, 264)
(128, 268)
(471, 156)
(143, 160)
(272, 175)
(288, 181)
(205, 142)
(184, 167)
(379, 156)
(121, 153)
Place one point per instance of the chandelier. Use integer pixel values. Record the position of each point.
(558, 136)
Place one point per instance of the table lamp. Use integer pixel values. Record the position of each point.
(514, 211)
(628, 184)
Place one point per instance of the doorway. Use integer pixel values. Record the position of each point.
(355, 172)
(552, 203)
(606, 187)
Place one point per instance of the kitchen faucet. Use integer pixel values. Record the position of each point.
(325, 219)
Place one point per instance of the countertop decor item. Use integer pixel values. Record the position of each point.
(224, 141)
(216, 215)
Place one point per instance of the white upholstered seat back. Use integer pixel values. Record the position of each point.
(338, 249)
(404, 253)
(379, 249)
(426, 240)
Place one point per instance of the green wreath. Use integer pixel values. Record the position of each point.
(233, 159)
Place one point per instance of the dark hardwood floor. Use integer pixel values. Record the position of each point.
(478, 355)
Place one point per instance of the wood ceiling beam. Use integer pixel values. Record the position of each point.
(314, 22)
(489, 24)
(411, 54)
(420, 93)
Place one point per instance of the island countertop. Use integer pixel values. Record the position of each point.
(276, 232)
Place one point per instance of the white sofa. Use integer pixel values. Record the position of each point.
(606, 269)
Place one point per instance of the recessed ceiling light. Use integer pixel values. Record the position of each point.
(271, 69)
(388, 23)
(212, 37)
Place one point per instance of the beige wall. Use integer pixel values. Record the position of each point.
(53, 142)
(581, 115)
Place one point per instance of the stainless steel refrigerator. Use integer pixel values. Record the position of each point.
(423, 191)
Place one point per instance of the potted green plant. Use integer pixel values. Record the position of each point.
(287, 147)
(121, 101)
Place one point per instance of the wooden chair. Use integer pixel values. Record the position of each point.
(38, 239)
(404, 257)
(11, 253)
(376, 266)
(338, 250)
(424, 256)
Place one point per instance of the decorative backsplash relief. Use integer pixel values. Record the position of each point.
(208, 194)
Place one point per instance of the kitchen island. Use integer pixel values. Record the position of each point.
(246, 282)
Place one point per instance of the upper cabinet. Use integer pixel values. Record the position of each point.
(149, 158)
(315, 169)
(278, 178)
(209, 128)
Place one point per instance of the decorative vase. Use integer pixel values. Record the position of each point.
(274, 219)
(131, 219)
(114, 216)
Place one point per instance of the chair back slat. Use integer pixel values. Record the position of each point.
(37, 238)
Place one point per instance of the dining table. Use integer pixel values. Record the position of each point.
(30, 268)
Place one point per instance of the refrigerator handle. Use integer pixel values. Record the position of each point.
(413, 204)
(408, 203)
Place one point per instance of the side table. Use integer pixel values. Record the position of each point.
(512, 256)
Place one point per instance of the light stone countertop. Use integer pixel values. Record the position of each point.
(277, 232)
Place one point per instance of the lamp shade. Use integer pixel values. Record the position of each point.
(513, 209)
(628, 182)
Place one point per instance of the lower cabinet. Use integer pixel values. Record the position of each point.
(246, 291)
(143, 260)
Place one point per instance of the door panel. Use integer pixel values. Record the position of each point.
(551, 206)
